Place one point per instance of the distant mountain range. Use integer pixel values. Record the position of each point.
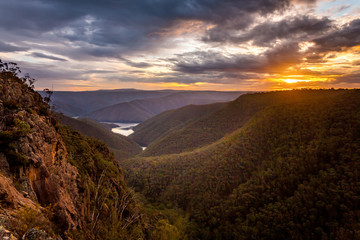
(131, 105)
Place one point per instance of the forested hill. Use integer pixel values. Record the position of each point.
(233, 115)
(291, 171)
(166, 122)
(123, 147)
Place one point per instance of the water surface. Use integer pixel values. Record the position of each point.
(123, 128)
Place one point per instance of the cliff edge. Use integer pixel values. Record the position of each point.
(54, 180)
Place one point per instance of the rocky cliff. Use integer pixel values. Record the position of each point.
(54, 179)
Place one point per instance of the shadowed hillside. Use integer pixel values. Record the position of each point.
(166, 122)
(290, 172)
(123, 147)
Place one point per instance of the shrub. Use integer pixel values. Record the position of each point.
(22, 127)
(28, 218)
(10, 104)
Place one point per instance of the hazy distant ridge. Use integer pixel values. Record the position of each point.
(131, 105)
(140, 110)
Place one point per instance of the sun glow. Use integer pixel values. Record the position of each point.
(294, 80)
(305, 79)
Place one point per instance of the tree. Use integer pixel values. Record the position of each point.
(9, 67)
(48, 96)
(29, 80)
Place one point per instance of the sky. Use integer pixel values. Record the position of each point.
(256, 45)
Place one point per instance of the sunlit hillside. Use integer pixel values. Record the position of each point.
(290, 171)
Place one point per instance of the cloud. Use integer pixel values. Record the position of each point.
(188, 78)
(188, 41)
(50, 72)
(42, 55)
(265, 34)
(346, 36)
(41, 16)
(349, 78)
(356, 63)
(200, 62)
(136, 64)
(5, 47)
(273, 60)
(124, 26)
(337, 39)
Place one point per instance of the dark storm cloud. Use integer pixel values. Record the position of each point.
(299, 27)
(200, 62)
(188, 78)
(273, 60)
(41, 55)
(5, 47)
(124, 26)
(280, 56)
(33, 17)
(343, 37)
(336, 40)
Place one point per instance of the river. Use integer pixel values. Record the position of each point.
(124, 129)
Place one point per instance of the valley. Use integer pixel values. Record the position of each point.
(180, 120)
(230, 166)
(267, 165)
(268, 179)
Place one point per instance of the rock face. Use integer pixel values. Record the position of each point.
(54, 179)
(33, 155)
